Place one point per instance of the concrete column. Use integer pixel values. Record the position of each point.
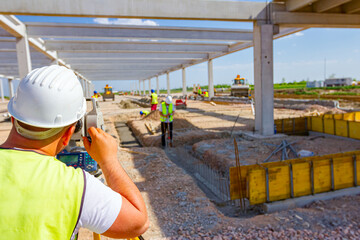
(210, 78)
(149, 85)
(264, 82)
(11, 87)
(139, 88)
(2, 90)
(157, 85)
(168, 82)
(23, 56)
(144, 87)
(184, 90)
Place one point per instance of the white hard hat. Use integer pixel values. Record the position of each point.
(48, 97)
(168, 99)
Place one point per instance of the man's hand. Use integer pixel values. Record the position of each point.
(103, 147)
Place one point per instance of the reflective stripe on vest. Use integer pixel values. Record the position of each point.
(154, 98)
(164, 112)
(40, 197)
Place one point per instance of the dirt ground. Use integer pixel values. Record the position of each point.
(177, 206)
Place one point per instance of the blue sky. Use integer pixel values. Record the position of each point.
(297, 57)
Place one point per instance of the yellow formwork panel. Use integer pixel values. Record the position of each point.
(338, 116)
(343, 172)
(317, 124)
(357, 117)
(329, 126)
(234, 182)
(341, 128)
(322, 176)
(256, 186)
(301, 179)
(308, 123)
(349, 116)
(327, 116)
(279, 183)
(354, 130)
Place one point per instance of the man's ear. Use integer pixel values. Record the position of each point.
(67, 135)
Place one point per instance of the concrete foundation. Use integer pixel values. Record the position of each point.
(303, 201)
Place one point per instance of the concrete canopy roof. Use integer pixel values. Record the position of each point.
(119, 52)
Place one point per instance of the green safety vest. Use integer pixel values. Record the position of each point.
(40, 197)
(164, 112)
(199, 91)
(154, 98)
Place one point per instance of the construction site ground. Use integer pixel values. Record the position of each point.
(180, 207)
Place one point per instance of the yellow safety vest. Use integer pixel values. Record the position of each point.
(154, 98)
(94, 96)
(164, 112)
(145, 113)
(206, 94)
(40, 197)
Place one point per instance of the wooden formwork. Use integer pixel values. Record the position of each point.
(275, 181)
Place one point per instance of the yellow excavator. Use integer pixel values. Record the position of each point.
(108, 93)
(239, 88)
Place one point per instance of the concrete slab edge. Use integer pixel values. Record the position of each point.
(305, 200)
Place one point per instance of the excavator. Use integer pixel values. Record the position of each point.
(239, 88)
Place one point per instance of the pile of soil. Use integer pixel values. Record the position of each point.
(127, 104)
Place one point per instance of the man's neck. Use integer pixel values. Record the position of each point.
(16, 141)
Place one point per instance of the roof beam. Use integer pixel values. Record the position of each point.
(351, 7)
(149, 9)
(84, 68)
(294, 5)
(101, 46)
(287, 19)
(325, 5)
(168, 55)
(66, 30)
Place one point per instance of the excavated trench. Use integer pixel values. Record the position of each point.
(213, 183)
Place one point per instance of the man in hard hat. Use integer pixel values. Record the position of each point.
(167, 110)
(144, 113)
(96, 95)
(42, 198)
(154, 100)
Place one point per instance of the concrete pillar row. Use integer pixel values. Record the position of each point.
(168, 83)
(264, 78)
(184, 90)
(149, 85)
(2, 90)
(11, 87)
(210, 78)
(144, 87)
(157, 85)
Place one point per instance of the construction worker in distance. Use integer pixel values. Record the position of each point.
(206, 94)
(199, 91)
(144, 113)
(154, 100)
(167, 109)
(40, 197)
(96, 95)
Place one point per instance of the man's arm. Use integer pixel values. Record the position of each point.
(132, 220)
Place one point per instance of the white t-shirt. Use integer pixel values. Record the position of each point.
(101, 206)
(167, 110)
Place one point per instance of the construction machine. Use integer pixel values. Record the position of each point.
(239, 88)
(108, 93)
